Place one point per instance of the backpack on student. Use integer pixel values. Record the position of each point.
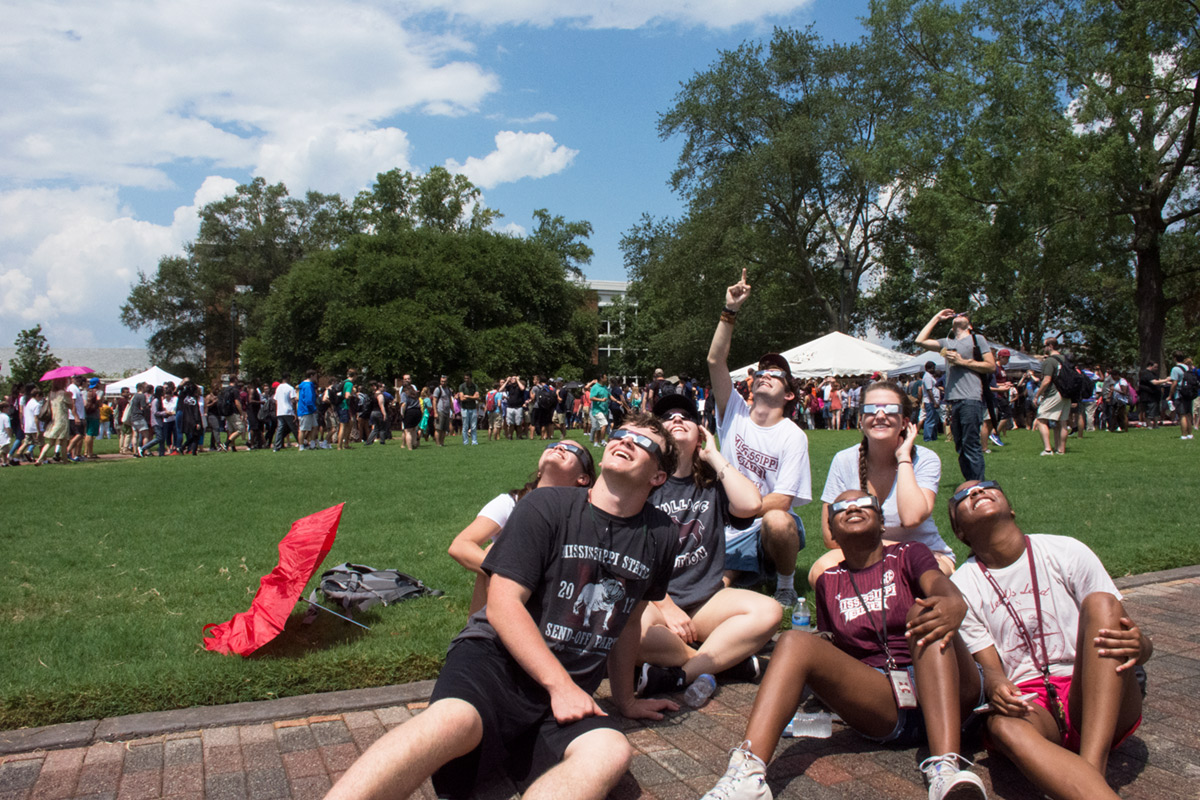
(227, 402)
(547, 399)
(1189, 386)
(356, 587)
(1069, 380)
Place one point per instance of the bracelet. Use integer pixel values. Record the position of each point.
(729, 317)
(899, 462)
(729, 310)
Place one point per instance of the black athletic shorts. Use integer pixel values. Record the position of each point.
(412, 417)
(520, 734)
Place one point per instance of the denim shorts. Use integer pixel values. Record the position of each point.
(745, 552)
(910, 722)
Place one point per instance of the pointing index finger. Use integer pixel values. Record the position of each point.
(743, 274)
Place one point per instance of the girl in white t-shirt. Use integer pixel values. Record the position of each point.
(563, 463)
(888, 464)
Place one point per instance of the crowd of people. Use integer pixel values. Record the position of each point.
(650, 571)
(645, 572)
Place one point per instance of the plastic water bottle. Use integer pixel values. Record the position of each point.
(701, 689)
(818, 725)
(800, 616)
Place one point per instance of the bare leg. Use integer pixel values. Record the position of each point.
(781, 541)
(948, 686)
(591, 766)
(857, 692)
(397, 764)
(732, 625)
(1103, 703)
(1031, 742)
(1044, 431)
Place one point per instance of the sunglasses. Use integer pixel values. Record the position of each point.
(644, 442)
(570, 447)
(870, 501)
(771, 373)
(871, 409)
(677, 413)
(963, 494)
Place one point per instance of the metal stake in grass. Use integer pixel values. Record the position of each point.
(331, 611)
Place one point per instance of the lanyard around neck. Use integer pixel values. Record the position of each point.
(880, 635)
(1044, 666)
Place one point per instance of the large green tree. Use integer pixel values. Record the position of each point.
(197, 305)
(791, 156)
(1116, 94)
(425, 301)
(33, 358)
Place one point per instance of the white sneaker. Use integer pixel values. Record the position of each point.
(948, 782)
(746, 778)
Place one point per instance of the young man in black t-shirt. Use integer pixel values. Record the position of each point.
(570, 578)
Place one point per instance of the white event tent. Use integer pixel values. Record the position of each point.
(916, 364)
(153, 376)
(835, 354)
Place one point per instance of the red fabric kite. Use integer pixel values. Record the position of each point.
(300, 554)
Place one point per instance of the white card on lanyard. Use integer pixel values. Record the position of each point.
(906, 695)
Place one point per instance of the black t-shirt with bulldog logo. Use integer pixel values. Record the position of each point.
(586, 571)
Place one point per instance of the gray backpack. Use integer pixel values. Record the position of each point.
(356, 587)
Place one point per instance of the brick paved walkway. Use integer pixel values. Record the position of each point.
(680, 757)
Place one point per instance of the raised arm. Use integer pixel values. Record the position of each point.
(744, 500)
(913, 503)
(718, 351)
(923, 339)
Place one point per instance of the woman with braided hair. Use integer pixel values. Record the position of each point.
(890, 465)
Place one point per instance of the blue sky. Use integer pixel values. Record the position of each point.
(121, 118)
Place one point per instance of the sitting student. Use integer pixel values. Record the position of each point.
(1045, 622)
(889, 464)
(561, 464)
(701, 626)
(878, 654)
(570, 579)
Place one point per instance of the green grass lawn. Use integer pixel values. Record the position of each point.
(110, 570)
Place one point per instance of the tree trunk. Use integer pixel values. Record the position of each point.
(1151, 304)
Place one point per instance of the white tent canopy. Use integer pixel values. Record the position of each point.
(916, 365)
(835, 354)
(153, 376)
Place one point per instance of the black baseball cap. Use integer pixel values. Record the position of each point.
(775, 361)
(671, 402)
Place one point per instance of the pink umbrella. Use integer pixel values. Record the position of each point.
(66, 372)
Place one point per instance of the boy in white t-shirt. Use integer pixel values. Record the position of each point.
(770, 450)
(1058, 650)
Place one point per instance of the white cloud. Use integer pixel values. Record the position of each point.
(517, 155)
(331, 160)
(69, 257)
(541, 116)
(720, 14)
(107, 92)
(512, 229)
